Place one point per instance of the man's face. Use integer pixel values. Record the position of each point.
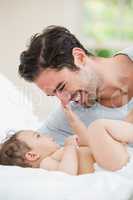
(40, 143)
(67, 85)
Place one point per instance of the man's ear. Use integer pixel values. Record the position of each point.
(32, 156)
(79, 56)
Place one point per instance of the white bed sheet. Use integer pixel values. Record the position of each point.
(18, 183)
(37, 184)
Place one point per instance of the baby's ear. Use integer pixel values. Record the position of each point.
(32, 156)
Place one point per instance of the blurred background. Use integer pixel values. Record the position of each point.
(103, 26)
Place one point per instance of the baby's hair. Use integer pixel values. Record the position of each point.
(13, 150)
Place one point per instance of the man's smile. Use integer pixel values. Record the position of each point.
(82, 97)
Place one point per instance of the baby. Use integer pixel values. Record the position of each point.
(104, 142)
(31, 149)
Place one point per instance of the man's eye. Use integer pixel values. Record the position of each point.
(61, 88)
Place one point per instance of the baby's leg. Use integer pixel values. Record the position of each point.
(108, 152)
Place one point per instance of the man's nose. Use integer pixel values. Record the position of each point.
(65, 97)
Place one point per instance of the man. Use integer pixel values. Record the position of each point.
(60, 66)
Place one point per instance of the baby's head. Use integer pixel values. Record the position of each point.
(26, 149)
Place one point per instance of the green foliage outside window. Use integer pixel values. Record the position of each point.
(108, 20)
(105, 52)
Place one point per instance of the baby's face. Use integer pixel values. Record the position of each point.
(40, 143)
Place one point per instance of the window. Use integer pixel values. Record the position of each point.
(108, 23)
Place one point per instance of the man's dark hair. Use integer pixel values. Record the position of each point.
(50, 49)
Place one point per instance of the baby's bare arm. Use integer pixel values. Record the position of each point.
(64, 160)
(85, 157)
(119, 130)
(69, 162)
(77, 126)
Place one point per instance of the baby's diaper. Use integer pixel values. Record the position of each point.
(126, 170)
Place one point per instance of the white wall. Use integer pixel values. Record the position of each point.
(19, 19)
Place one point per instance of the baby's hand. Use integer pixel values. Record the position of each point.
(71, 116)
(64, 97)
(72, 140)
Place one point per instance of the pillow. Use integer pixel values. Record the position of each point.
(15, 109)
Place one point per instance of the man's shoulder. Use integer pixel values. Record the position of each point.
(127, 51)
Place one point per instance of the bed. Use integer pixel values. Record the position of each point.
(18, 183)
